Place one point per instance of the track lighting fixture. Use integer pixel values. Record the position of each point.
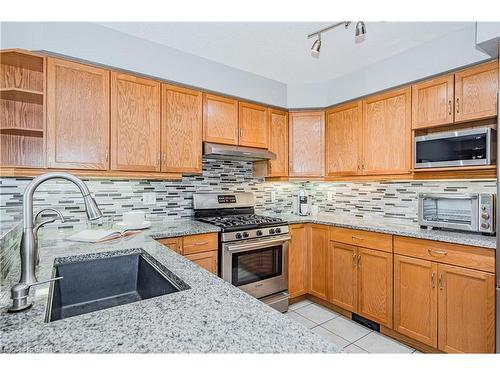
(360, 35)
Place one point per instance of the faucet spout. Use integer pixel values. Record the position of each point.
(20, 291)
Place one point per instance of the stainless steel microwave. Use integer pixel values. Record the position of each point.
(468, 212)
(456, 148)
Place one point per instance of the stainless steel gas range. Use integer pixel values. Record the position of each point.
(252, 248)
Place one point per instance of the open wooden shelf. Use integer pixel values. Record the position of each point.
(22, 59)
(21, 95)
(29, 132)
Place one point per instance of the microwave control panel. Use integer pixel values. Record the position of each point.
(486, 213)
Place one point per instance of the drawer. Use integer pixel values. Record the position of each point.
(200, 243)
(473, 257)
(361, 238)
(173, 243)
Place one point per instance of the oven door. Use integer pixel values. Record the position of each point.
(259, 267)
(460, 212)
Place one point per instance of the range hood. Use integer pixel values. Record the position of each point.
(229, 152)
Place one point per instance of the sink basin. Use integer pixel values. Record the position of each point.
(97, 284)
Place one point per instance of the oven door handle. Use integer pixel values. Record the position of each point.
(234, 248)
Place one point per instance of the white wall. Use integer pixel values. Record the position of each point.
(96, 43)
(439, 55)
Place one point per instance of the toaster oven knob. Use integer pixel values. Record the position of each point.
(485, 225)
(245, 234)
(485, 216)
(258, 233)
(271, 231)
(238, 236)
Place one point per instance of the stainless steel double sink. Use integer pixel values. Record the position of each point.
(102, 282)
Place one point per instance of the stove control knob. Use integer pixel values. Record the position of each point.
(238, 236)
(485, 225)
(485, 215)
(278, 230)
(245, 234)
(258, 233)
(272, 231)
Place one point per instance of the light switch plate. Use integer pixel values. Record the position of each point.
(273, 196)
(149, 198)
(329, 196)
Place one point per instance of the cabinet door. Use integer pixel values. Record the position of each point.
(344, 140)
(466, 310)
(206, 260)
(375, 285)
(306, 134)
(173, 243)
(318, 261)
(77, 116)
(297, 261)
(182, 127)
(135, 123)
(432, 102)
(253, 125)
(278, 143)
(220, 119)
(387, 133)
(476, 92)
(415, 299)
(343, 280)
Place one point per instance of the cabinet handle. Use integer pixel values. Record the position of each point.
(433, 285)
(440, 281)
(436, 252)
(197, 244)
(449, 107)
(359, 260)
(458, 105)
(354, 259)
(158, 158)
(356, 238)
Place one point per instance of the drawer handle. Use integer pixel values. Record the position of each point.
(354, 238)
(437, 252)
(197, 244)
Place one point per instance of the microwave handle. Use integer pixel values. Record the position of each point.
(446, 196)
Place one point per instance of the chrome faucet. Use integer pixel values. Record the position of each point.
(28, 247)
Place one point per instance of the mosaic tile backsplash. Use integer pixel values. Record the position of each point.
(174, 198)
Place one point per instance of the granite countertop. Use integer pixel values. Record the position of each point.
(391, 226)
(211, 316)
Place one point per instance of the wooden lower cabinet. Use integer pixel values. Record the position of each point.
(343, 276)
(375, 285)
(415, 299)
(173, 243)
(206, 260)
(318, 261)
(297, 261)
(466, 310)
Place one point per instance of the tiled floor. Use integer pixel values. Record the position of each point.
(351, 336)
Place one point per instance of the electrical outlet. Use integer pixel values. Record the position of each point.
(149, 198)
(273, 196)
(329, 196)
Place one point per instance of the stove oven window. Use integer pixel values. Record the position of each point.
(256, 265)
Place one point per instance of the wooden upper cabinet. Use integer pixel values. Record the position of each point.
(416, 299)
(476, 92)
(297, 261)
(135, 123)
(181, 130)
(253, 125)
(278, 143)
(220, 119)
(343, 276)
(387, 133)
(343, 145)
(318, 261)
(375, 285)
(466, 310)
(77, 116)
(432, 102)
(306, 135)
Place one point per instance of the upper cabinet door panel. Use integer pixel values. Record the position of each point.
(135, 123)
(278, 143)
(344, 140)
(220, 119)
(306, 134)
(77, 116)
(432, 102)
(476, 92)
(387, 133)
(182, 112)
(253, 124)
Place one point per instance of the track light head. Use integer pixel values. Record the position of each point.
(360, 32)
(316, 47)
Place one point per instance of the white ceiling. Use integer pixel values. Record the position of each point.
(281, 50)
